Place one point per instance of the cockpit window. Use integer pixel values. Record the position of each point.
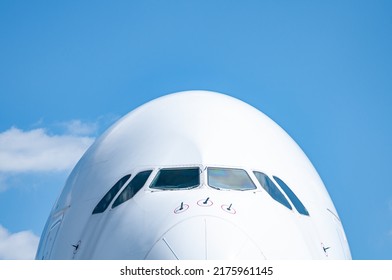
(229, 179)
(132, 188)
(294, 199)
(272, 189)
(177, 178)
(105, 201)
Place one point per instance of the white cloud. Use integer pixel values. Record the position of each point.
(36, 150)
(76, 127)
(21, 245)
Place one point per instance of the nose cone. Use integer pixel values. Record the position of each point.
(201, 238)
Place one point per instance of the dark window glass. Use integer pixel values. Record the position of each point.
(272, 189)
(132, 188)
(294, 199)
(229, 179)
(105, 201)
(178, 178)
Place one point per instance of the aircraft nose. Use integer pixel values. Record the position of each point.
(201, 238)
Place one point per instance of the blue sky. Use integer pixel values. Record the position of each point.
(320, 69)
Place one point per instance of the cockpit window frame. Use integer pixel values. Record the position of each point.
(242, 170)
(132, 188)
(273, 190)
(160, 171)
(299, 206)
(110, 195)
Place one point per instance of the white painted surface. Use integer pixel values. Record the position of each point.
(195, 128)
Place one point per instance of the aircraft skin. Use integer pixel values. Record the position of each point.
(210, 140)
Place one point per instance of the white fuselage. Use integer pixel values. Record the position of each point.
(201, 130)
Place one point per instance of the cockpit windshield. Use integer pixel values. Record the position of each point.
(177, 178)
(229, 179)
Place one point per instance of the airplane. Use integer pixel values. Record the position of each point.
(194, 175)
